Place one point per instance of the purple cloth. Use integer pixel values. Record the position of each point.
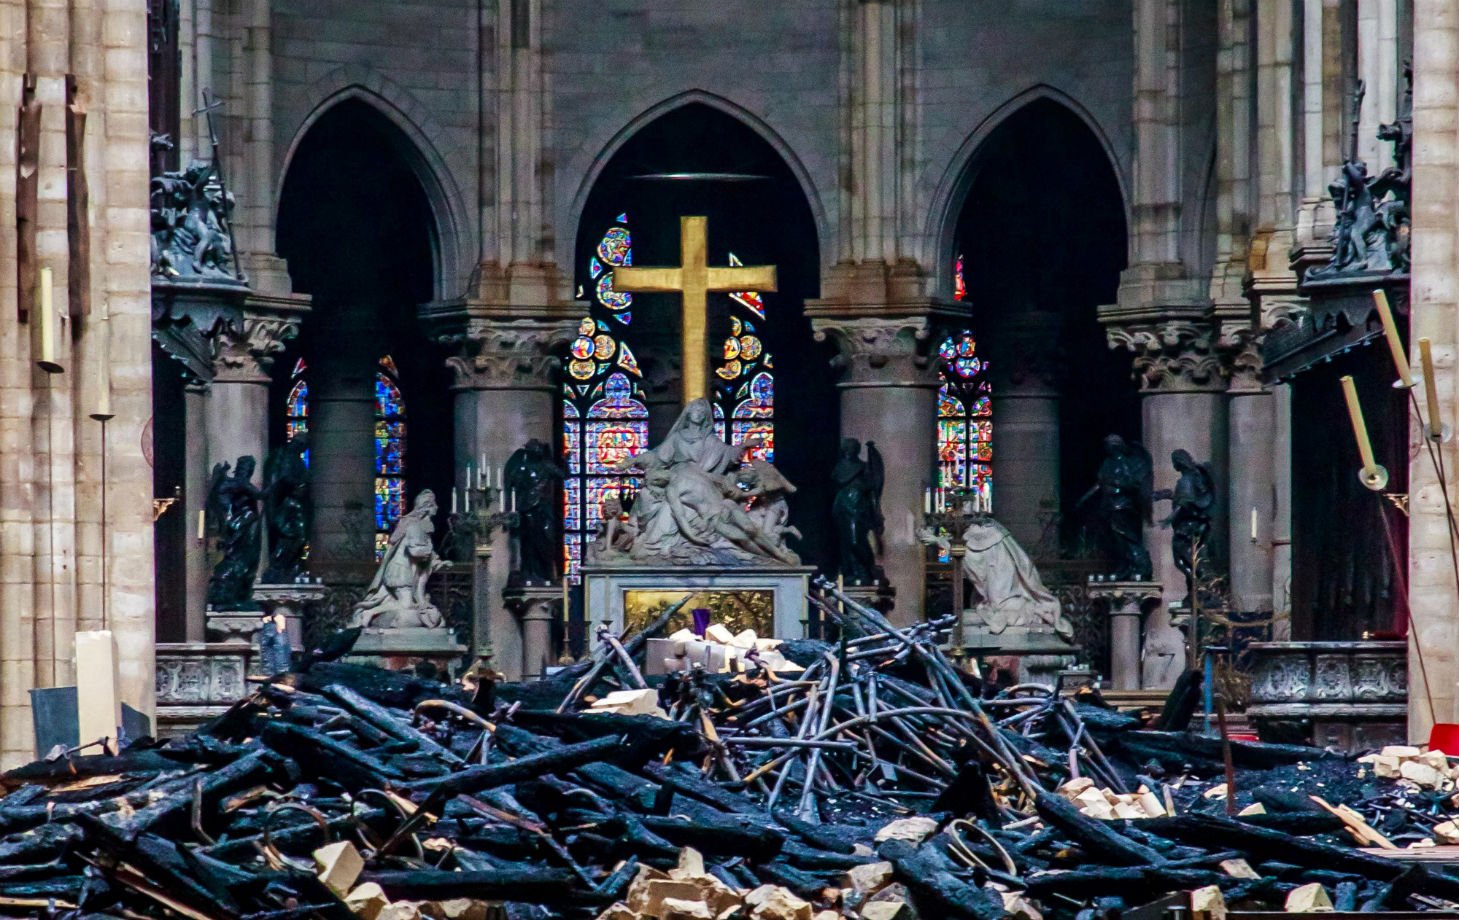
(701, 620)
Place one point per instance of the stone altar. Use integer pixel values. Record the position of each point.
(607, 588)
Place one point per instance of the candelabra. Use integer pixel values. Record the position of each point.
(481, 506)
(950, 511)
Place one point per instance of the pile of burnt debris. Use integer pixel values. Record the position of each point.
(868, 778)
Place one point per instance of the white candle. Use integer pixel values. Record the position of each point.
(467, 498)
(1253, 523)
(483, 466)
(202, 525)
(927, 500)
(514, 502)
(468, 476)
(454, 490)
(45, 305)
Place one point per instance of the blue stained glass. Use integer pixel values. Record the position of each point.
(390, 441)
(595, 268)
(964, 412)
(624, 318)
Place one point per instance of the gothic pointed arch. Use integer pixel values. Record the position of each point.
(967, 163)
(592, 170)
(454, 244)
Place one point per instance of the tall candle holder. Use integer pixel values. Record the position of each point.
(951, 511)
(483, 505)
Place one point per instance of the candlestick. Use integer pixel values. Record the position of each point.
(103, 411)
(1390, 331)
(1431, 389)
(47, 360)
(1373, 476)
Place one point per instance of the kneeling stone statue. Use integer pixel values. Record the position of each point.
(397, 595)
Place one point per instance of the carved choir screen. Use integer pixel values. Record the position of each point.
(296, 405)
(603, 416)
(389, 453)
(964, 418)
(745, 386)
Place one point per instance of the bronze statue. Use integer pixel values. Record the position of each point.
(856, 510)
(1370, 233)
(288, 510)
(1191, 502)
(190, 214)
(533, 478)
(233, 507)
(1124, 487)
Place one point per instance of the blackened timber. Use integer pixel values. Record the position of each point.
(1094, 835)
(326, 758)
(488, 776)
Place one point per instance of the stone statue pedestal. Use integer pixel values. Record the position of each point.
(1127, 602)
(1041, 652)
(536, 607)
(607, 588)
(398, 648)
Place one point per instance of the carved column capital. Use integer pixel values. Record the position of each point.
(505, 354)
(244, 349)
(1172, 355)
(881, 351)
(1241, 350)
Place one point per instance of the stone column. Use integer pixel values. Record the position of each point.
(1250, 482)
(889, 395)
(1025, 369)
(342, 423)
(1435, 315)
(238, 395)
(195, 499)
(1281, 532)
(506, 394)
(1182, 406)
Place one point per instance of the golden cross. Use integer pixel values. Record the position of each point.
(694, 278)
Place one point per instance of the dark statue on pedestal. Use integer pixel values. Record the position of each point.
(233, 507)
(856, 510)
(1124, 487)
(1191, 502)
(190, 214)
(288, 510)
(533, 478)
(1371, 232)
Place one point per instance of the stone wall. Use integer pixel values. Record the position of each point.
(53, 538)
(1435, 314)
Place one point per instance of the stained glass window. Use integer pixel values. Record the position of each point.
(744, 390)
(389, 453)
(959, 283)
(603, 416)
(296, 407)
(964, 418)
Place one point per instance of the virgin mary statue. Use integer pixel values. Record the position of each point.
(397, 596)
(691, 510)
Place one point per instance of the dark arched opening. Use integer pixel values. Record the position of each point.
(1042, 240)
(357, 230)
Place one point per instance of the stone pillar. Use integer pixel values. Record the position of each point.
(195, 500)
(1182, 406)
(1250, 483)
(342, 422)
(1281, 532)
(1435, 314)
(506, 394)
(889, 396)
(238, 395)
(1025, 370)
